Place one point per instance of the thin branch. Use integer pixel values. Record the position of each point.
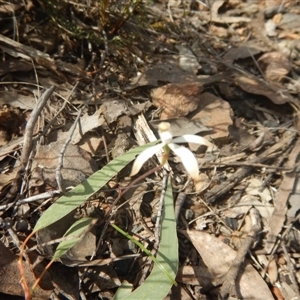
(28, 141)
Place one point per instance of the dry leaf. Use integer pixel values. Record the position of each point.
(162, 73)
(245, 203)
(273, 271)
(176, 100)
(11, 119)
(10, 275)
(257, 87)
(6, 179)
(219, 257)
(242, 52)
(218, 31)
(285, 190)
(254, 186)
(77, 164)
(17, 100)
(194, 275)
(112, 109)
(290, 21)
(213, 15)
(91, 143)
(10, 147)
(275, 65)
(215, 113)
(86, 124)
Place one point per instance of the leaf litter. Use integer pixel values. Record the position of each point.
(227, 70)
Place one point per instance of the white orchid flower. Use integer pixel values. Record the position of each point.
(168, 143)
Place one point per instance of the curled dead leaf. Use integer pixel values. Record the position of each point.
(275, 65)
(176, 100)
(254, 86)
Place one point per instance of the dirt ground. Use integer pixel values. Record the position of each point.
(85, 85)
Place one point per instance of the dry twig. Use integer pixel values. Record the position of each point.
(227, 185)
(28, 142)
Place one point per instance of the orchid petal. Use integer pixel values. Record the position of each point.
(164, 132)
(191, 138)
(144, 156)
(165, 136)
(187, 158)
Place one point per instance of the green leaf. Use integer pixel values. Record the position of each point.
(73, 235)
(124, 290)
(85, 190)
(157, 285)
(141, 246)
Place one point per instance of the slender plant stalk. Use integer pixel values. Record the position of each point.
(27, 292)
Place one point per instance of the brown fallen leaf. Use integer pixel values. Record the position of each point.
(12, 145)
(88, 123)
(215, 113)
(213, 15)
(275, 65)
(273, 271)
(17, 100)
(284, 192)
(219, 257)
(218, 31)
(6, 179)
(77, 165)
(194, 275)
(242, 52)
(9, 7)
(290, 21)
(254, 86)
(91, 143)
(10, 276)
(163, 72)
(176, 100)
(11, 119)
